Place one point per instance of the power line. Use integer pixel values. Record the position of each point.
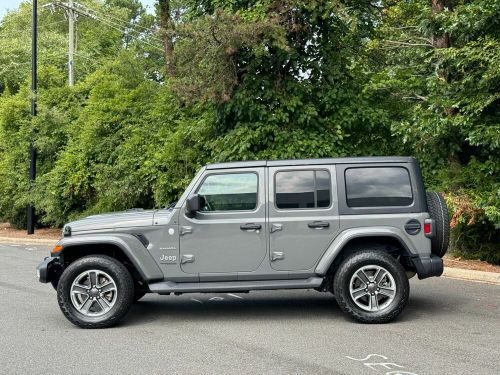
(133, 36)
(123, 21)
(86, 57)
(73, 10)
(99, 16)
(108, 18)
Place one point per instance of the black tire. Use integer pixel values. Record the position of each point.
(352, 264)
(439, 212)
(124, 296)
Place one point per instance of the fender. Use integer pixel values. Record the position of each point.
(129, 244)
(344, 237)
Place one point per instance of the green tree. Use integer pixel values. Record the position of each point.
(287, 77)
(441, 79)
(157, 96)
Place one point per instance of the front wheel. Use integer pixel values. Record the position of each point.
(95, 291)
(371, 286)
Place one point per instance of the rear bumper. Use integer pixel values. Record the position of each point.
(45, 270)
(428, 266)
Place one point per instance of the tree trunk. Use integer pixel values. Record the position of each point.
(441, 41)
(167, 26)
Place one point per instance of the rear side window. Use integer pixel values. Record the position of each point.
(302, 189)
(378, 187)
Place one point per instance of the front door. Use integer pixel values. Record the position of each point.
(303, 215)
(227, 235)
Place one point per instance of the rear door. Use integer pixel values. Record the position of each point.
(303, 215)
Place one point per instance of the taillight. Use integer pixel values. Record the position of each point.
(429, 227)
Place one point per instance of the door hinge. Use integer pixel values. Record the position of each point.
(185, 230)
(187, 258)
(277, 255)
(276, 227)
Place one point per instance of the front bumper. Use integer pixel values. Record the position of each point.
(428, 266)
(45, 270)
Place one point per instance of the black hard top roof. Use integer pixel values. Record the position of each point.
(280, 163)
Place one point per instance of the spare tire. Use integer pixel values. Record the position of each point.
(439, 212)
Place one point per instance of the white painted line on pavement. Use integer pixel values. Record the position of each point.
(381, 366)
(234, 295)
(196, 300)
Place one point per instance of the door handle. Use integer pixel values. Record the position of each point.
(319, 224)
(187, 258)
(250, 226)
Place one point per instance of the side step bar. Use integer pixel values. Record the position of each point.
(165, 287)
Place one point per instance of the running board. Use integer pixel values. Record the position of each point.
(165, 287)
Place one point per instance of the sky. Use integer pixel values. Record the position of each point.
(6, 5)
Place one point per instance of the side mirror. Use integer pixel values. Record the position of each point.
(193, 205)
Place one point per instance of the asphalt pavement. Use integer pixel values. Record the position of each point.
(448, 327)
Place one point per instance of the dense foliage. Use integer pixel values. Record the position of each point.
(159, 95)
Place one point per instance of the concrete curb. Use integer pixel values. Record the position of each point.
(472, 275)
(454, 273)
(28, 241)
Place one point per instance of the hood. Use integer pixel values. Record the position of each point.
(125, 219)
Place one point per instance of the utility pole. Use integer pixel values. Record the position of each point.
(71, 44)
(72, 12)
(32, 150)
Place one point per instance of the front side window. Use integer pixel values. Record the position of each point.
(378, 187)
(302, 189)
(229, 192)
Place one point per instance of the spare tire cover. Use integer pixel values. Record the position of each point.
(439, 212)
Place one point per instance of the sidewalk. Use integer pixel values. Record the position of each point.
(41, 237)
(47, 235)
(472, 275)
(28, 241)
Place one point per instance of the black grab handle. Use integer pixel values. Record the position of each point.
(318, 224)
(250, 226)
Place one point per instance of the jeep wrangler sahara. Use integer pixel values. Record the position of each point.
(356, 227)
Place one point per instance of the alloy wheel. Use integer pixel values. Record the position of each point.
(93, 293)
(372, 288)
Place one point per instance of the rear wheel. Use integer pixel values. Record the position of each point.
(95, 291)
(371, 286)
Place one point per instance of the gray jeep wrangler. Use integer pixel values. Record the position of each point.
(356, 227)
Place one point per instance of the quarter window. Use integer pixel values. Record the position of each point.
(378, 187)
(302, 189)
(229, 192)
